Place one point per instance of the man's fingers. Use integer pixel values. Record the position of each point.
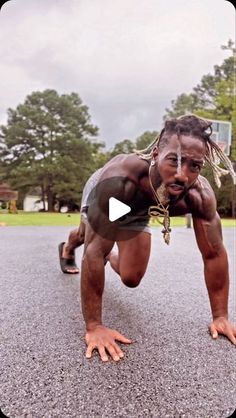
(119, 351)
(230, 336)
(234, 331)
(115, 351)
(213, 331)
(89, 351)
(228, 331)
(232, 339)
(121, 338)
(102, 352)
(104, 340)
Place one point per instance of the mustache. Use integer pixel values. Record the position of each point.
(178, 183)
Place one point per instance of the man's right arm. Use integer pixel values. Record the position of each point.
(92, 285)
(207, 227)
(93, 275)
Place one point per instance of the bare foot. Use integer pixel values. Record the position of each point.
(67, 260)
(66, 253)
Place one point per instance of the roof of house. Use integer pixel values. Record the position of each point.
(6, 193)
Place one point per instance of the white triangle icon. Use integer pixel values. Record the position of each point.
(117, 209)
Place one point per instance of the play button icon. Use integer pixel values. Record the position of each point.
(117, 209)
(109, 217)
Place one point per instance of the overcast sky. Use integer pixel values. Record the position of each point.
(127, 59)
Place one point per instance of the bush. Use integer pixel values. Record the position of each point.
(224, 194)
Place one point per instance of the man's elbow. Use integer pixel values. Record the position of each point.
(214, 252)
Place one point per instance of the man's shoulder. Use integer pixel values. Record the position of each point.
(201, 198)
(204, 188)
(124, 165)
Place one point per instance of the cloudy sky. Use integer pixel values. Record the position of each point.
(127, 59)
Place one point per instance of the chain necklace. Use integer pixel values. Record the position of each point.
(159, 211)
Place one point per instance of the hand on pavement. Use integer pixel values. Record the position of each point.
(104, 340)
(222, 326)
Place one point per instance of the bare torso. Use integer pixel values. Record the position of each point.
(134, 171)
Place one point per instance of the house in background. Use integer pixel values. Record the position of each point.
(9, 197)
(33, 203)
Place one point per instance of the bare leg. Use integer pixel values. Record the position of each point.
(132, 259)
(113, 258)
(76, 238)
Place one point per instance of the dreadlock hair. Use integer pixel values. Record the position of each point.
(199, 128)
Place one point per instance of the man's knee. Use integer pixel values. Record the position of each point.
(81, 234)
(77, 235)
(132, 279)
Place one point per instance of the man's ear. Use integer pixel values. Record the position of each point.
(155, 152)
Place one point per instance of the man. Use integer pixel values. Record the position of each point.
(163, 180)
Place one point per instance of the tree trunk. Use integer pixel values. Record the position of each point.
(50, 200)
(43, 196)
(233, 212)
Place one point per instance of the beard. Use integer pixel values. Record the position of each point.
(167, 198)
(163, 194)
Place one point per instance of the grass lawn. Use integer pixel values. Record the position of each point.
(72, 219)
(40, 219)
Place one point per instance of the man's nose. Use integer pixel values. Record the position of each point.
(182, 173)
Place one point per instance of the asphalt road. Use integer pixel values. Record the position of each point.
(174, 369)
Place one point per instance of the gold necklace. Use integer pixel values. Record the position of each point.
(159, 211)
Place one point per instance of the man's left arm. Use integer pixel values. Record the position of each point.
(209, 239)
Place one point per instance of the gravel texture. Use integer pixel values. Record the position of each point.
(173, 369)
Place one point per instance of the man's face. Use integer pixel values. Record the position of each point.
(179, 162)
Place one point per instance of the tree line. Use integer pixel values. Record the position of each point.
(49, 145)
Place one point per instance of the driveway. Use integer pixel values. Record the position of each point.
(173, 369)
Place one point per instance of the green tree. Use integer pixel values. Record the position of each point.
(123, 147)
(224, 195)
(47, 142)
(184, 103)
(127, 146)
(214, 98)
(145, 139)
